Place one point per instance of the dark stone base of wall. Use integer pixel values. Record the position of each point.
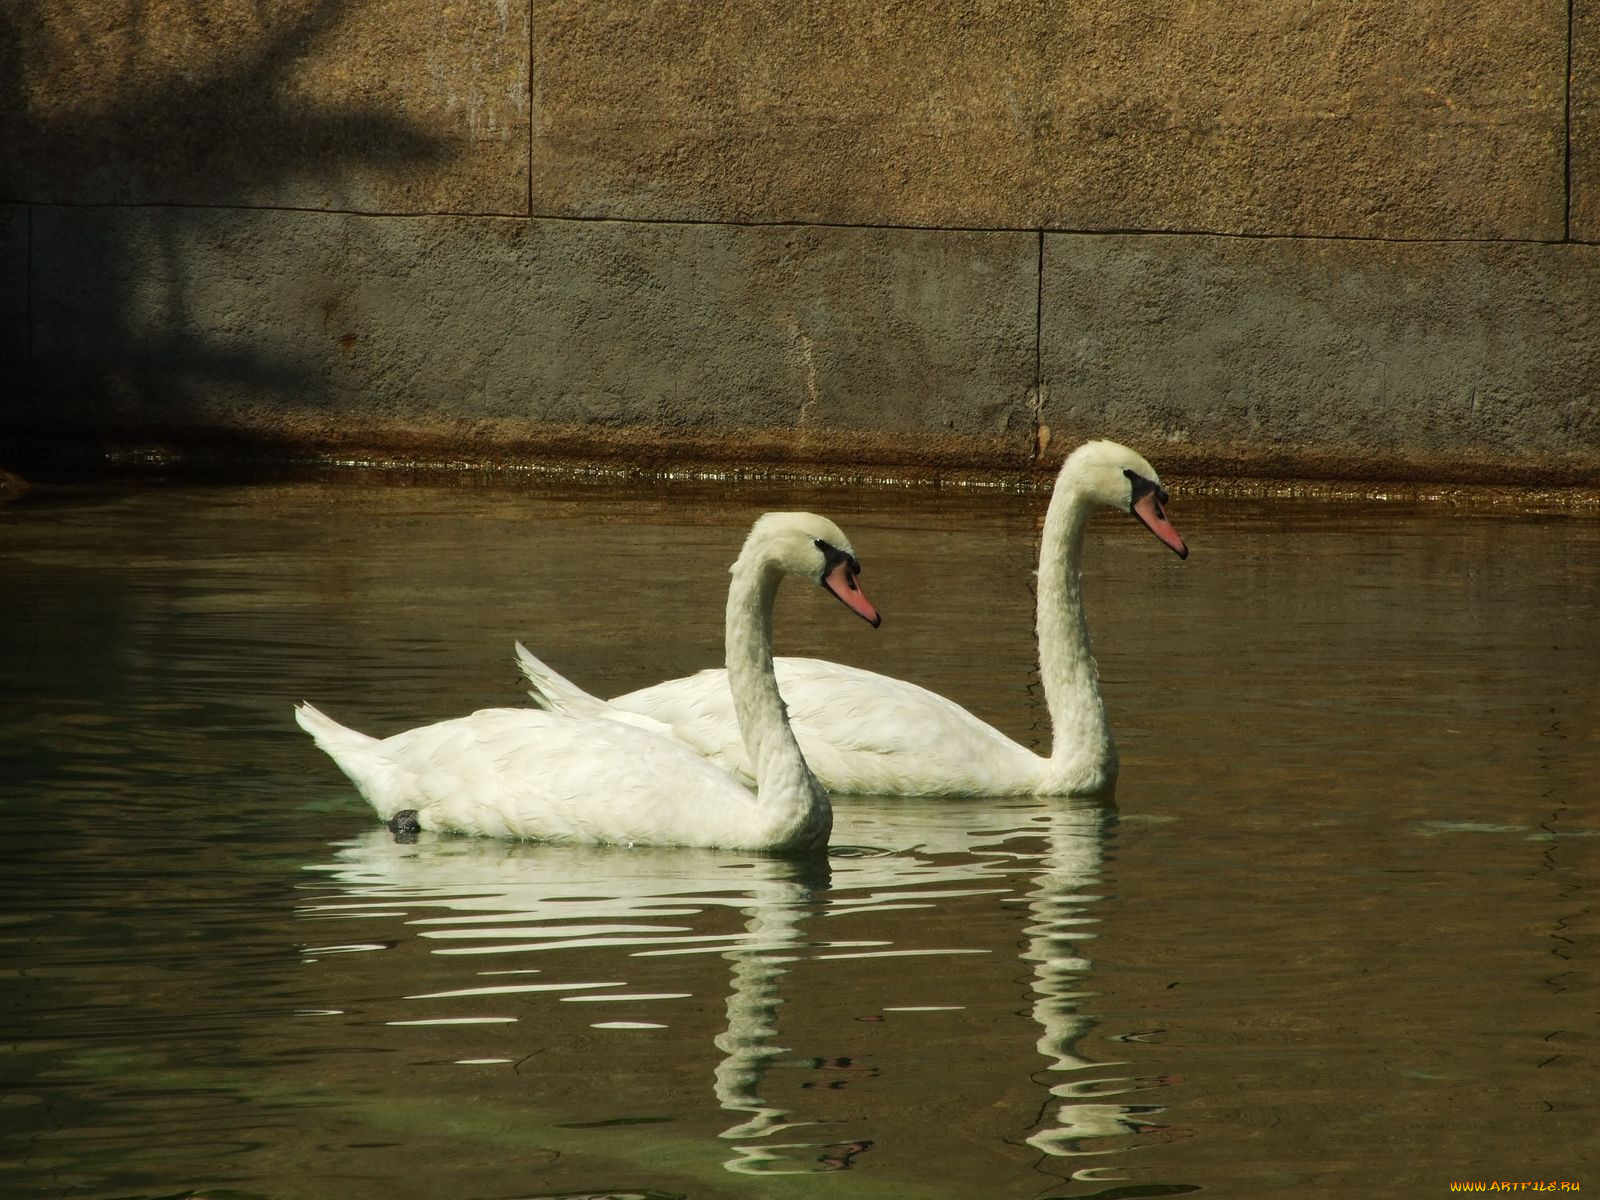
(658, 453)
(670, 347)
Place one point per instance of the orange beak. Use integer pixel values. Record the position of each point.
(1148, 509)
(841, 581)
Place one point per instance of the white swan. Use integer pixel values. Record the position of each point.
(865, 733)
(572, 778)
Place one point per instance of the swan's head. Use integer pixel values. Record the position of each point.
(1120, 478)
(812, 547)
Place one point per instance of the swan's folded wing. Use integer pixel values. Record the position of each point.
(697, 710)
(861, 732)
(867, 733)
(530, 774)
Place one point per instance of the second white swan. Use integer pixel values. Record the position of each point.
(865, 733)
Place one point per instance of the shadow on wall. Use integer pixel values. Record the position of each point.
(138, 137)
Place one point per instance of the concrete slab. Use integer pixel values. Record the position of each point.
(1442, 119)
(1584, 131)
(385, 105)
(467, 334)
(1328, 359)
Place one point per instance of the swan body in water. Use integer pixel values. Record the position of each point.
(866, 733)
(572, 777)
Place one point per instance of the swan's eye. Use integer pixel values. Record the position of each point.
(832, 556)
(1142, 487)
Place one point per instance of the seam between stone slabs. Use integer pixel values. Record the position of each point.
(528, 207)
(776, 223)
(1566, 117)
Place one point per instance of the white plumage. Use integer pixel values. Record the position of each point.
(576, 777)
(867, 733)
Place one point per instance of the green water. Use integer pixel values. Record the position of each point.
(1335, 935)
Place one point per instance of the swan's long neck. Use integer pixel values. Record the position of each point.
(1082, 746)
(791, 798)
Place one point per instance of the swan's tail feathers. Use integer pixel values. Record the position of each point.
(328, 733)
(352, 752)
(554, 692)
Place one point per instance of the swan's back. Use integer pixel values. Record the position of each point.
(861, 732)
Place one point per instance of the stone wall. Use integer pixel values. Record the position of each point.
(1353, 239)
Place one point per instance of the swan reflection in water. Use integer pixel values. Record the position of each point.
(481, 896)
(1078, 1120)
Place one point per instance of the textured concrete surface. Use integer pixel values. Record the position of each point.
(759, 233)
(1584, 131)
(1343, 359)
(1371, 118)
(382, 105)
(476, 334)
